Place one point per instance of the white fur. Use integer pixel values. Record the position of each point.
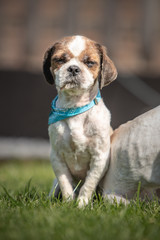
(77, 46)
(82, 151)
(135, 157)
(80, 144)
(62, 74)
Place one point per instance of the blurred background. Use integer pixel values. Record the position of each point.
(129, 29)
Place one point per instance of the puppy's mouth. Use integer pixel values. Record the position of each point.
(71, 82)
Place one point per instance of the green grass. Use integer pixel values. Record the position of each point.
(27, 213)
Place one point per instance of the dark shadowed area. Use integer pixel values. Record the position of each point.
(26, 98)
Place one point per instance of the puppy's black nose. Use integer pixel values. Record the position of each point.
(74, 70)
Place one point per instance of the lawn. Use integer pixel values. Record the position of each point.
(27, 213)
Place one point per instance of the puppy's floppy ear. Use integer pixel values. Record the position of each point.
(108, 71)
(47, 64)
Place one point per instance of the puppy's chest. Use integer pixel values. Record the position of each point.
(72, 144)
(72, 138)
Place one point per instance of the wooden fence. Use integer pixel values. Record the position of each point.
(130, 29)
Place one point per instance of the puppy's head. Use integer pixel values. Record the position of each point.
(76, 63)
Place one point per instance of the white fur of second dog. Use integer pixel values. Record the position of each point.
(135, 157)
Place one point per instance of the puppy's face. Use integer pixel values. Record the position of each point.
(77, 63)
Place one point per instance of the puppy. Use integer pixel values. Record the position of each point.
(79, 123)
(135, 157)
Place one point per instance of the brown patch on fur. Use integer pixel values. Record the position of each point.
(108, 69)
(61, 55)
(90, 54)
(94, 57)
(111, 131)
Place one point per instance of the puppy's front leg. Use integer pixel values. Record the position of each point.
(64, 177)
(98, 166)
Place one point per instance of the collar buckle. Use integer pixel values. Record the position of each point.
(96, 101)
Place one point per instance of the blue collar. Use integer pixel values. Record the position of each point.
(58, 114)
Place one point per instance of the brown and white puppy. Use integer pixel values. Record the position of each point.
(135, 157)
(81, 144)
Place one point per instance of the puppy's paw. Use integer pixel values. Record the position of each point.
(112, 198)
(82, 201)
(68, 197)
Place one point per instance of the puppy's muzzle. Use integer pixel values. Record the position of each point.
(74, 70)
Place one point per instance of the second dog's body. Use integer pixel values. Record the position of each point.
(135, 158)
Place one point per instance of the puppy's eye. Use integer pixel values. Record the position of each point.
(59, 60)
(90, 63)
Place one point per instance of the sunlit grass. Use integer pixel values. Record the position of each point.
(27, 213)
